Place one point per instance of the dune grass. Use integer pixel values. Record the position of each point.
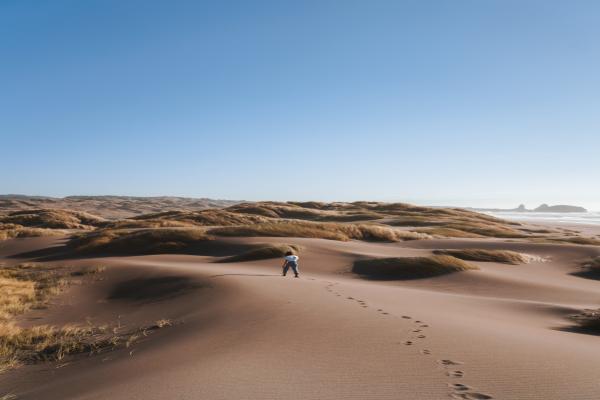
(49, 343)
(27, 286)
(331, 231)
(52, 219)
(592, 264)
(147, 224)
(473, 230)
(578, 240)
(211, 217)
(410, 267)
(588, 320)
(263, 253)
(12, 231)
(144, 241)
(499, 256)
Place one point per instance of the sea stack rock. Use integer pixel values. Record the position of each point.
(560, 208)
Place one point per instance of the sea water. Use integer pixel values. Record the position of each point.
(588, 218)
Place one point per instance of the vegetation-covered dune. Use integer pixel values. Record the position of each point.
(143, 241)
(500, 256)
(410, 267)
(52, 219)
(588, 320)
(307, 229)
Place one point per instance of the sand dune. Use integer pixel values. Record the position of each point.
(241, 331)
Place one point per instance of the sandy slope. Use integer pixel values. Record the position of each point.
(247, 333)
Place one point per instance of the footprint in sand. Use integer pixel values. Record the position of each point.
(471, 396)
(417, 322)
(424, 326)
(421, 336)
(385, 313)
(450, 362)
(417, 331)
(455, 374)
(406, 317)
(350, 298)
(425, 351)
(459, 386)
(408, 343)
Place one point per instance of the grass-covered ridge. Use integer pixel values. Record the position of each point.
(142, 241)
(410, 267)
(52, 219)
(320, 230)
(499, 256)
(12, 231)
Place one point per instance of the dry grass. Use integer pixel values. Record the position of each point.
(473, 230)
(311, 211)
(588, 320)
(331, 231)
(568, 238)
(27, 286)
(48, 343)
(144, 241)
(12, 231)
(263, 253)
(147, 224)
(52, 219)
(446, 222)
(593, 264)
(499, 256)
(447, 232)
(410, 267)
(578, 240)
(212, 217)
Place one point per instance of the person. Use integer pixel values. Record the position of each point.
(290, 260)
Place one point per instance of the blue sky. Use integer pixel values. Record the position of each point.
(436, 102)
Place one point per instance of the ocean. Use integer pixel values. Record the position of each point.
(589, 218)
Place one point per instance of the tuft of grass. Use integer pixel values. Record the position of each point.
(410, 267)
(331, 231)
(588, 320)
(500, 256)
(592, 264)
(162, 323)
(144, 241)
(263, 252)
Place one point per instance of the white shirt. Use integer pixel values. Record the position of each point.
(291, 258)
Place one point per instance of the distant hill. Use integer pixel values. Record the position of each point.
(111, 207)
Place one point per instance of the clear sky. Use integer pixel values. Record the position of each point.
(436, 102)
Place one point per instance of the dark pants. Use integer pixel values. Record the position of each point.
(287, 266)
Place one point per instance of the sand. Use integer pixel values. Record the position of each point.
(242, 331)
